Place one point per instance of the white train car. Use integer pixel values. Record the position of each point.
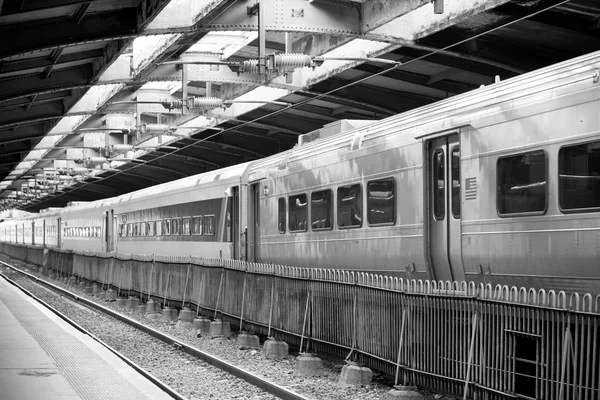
(498, 185)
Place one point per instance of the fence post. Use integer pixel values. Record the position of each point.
(186, 284)
(471, 350)
(400, 346)
(271, 309)
(219, 292)
(243, 297)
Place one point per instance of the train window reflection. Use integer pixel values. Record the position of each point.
(298, 217)
(281, 215)
(381, 202)
(151, 225)
(197, 225)
(522, 183)
(136, 229)
(208, 225)
(456, 182)
(185, 226)
(143, 229)
(349, 207)
(159, 228)
(129, 229)
(579, 177)
(166, 227)
(320, 210)
(439, 185)
(176, 226)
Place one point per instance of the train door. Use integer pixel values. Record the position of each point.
(235, 223)
(59, 233)
(444, 208)
(110, 231)
(253, 229)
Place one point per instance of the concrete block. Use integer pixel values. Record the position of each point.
(110, 295)
(353, 374)
(202, 326)
(186, 315)
(219, 328)
(132, 303)
(152, 307)
(96, 288)
(88, 289)
(169, 314)
(308, 364)
(121, 302)
(141, 309)
(72, 281)
(275, 349)
(403, 393)
(248, 340)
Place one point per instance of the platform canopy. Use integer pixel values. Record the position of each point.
(99, 98)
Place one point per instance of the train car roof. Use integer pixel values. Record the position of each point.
(234, 171)
(444, 115)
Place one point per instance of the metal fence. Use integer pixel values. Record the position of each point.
(488, 342)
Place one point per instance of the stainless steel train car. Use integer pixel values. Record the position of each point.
(498, 185)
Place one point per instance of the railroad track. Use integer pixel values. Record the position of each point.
(252, 379)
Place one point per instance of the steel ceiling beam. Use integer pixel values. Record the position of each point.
(56, 33)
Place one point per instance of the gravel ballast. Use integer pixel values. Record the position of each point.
(193, 378)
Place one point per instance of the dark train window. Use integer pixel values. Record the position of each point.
(166, 227)
(522, 183)
(159, 226)
(349, 207)
(197, 225)
(208, 225)
(143, 229)
(439, 185)
(298, 217)
(151, 225)
(129, 229)
(456, 182)
(176, 227)
(185, 226)
(579, 177)
(136, 229)
(381, 202)
(321, 210)
(281, 215)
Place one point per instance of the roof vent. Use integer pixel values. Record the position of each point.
(332, 129)
(76, 203)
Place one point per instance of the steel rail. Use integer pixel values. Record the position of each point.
(166, 388)
(267, 386)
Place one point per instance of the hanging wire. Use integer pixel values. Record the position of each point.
(319, 96)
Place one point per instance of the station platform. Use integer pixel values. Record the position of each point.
(43, 357)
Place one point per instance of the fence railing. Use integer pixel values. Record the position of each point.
(494, 342)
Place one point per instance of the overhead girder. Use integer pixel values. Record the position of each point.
(190, 160)
(22, 115)
(11, 88)
(378, 112)
(222, 148)
(400, 101)
(23, 65)
(59, 32)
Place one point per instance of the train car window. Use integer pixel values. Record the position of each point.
(122, 230)
(197, 225)
(439, 181)
(185, 226)
(159, 230)
(143, 229)
(349, 207)
(281, 214)
(166, 227)
(381, 202)
(298, 217)
(579, 177)
(522, 183)
(151, 225)
(456, 183)
(176, 227)
(208, 225)
(129, 229)
(321, 210)
(136, 229)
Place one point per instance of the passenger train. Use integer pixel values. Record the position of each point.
(499, 185)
